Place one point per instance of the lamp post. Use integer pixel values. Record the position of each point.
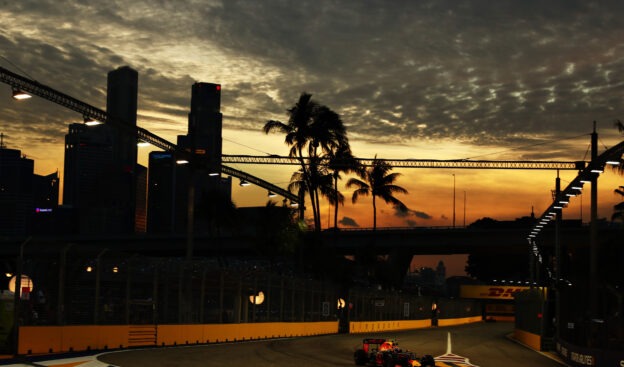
(464, 209)
(453, 200)
(558, 259)
(593, 230)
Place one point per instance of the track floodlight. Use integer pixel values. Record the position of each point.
(20, 94)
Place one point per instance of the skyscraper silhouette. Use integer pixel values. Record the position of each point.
(169, 182)
(100, 180)
(27, 200)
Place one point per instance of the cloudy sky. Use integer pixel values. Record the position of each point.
(503, 80)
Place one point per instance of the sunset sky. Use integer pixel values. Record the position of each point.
(504, 80)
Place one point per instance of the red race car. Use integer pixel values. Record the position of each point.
(386, 353)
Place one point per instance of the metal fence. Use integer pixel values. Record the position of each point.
(378, 305)
(106, 287)
(74, 286)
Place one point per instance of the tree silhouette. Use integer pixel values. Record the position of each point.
(311, 131)
(379, 183)
(341, 161)
(317, 177)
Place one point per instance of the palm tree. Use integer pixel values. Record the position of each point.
(317, 177)
(341, 161)
(380, 183)
(312, 130)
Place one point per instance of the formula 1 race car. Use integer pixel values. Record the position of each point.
(386, 353)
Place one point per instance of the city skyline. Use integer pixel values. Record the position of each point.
(431, 80)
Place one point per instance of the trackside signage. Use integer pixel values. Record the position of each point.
(581, 357)
(489, 292)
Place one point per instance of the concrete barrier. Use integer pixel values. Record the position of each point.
(531, 340)
(459, 321)
(35, 340)
(359, 327)
(61, 339)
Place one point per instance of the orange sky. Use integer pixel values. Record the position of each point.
(416, 79)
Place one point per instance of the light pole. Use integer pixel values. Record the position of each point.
(464, 209)
(453, 200)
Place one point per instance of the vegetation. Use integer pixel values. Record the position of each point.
(378, 182)
(341, 161)
(313, 131)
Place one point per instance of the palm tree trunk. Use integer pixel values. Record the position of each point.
(318, 208)
(313, 204)
(317, 214)
(306, 178)
(374, 214)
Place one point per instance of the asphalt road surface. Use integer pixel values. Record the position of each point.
(484, 344)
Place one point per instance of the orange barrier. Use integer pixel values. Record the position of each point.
(60, 339)
(218, 333)
(357, 327)
(533, 341)
(459, 321)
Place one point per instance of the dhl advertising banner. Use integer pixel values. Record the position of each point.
(490, 291)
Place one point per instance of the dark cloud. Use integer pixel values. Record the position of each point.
(490, 74)
(348, 222)
(398, 212)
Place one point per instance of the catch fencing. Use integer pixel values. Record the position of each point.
(103, 287)
(106, 288)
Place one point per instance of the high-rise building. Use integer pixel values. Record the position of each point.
(27, 201)
(170, 183)
(140, 215)
(167, 209)
(16, 196)
(121, 104)
(205, 123)
(88, 165)
(46, 218)
(100, 181)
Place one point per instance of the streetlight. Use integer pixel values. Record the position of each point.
(20, 94)
(91, 121)
(453, 200)
(464, 209)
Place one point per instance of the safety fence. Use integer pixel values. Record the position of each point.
(110, 288)
(77, 287)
